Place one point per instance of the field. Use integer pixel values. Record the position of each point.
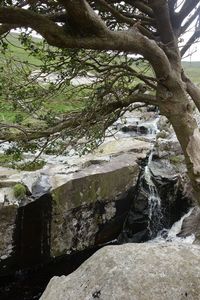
(193, 70)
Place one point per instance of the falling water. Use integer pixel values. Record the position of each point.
(171, 235)
(154, 202)
(152, 126)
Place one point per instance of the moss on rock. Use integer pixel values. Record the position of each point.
(19, 190)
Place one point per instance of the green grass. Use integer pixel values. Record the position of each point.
(193, 70)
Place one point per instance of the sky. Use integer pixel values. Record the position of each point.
(193, 54)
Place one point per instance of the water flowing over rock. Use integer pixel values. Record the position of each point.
(191, 225)
(74, 205)
(161, 199)
(133, 272)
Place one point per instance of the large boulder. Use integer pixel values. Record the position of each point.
(132, 272)
(67, 207)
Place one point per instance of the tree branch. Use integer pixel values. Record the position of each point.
(82, 18)
(186, 9)
(127, 41)
(76, 119)
(123, 19)
(189, 21)
(6, 28)
(191, 41)
(144, 8)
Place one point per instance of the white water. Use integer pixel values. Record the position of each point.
(154, 201)
(170, 235)
(155, 215)
(152, 126)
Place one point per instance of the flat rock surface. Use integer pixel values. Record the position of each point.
(112, 155)
(133, 272)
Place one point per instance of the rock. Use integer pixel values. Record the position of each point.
(132, 272)
(89, 200)
(129, 128)
(162, 134)
(167, 148)
(68, 210)
(7, 224)
(116, 147)
(41, 186)
(191, 225)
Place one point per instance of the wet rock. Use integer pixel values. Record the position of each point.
(7, 223)
(174, 189)
(173, 192)
(129, 128)
(132, 272)
(162, 134)
(68, 210)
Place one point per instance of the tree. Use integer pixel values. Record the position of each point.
(151, 29)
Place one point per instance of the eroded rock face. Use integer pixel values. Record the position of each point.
(7, 225)
(132, 272)
(83, 205)
(68, 208)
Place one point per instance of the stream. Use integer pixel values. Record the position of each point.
(29, 284)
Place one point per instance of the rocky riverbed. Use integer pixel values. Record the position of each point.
(55, 218)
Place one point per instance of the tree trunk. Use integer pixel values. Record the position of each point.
(179, 113)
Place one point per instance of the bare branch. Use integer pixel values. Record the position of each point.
(191, 41)
(144, 8)
(186, 9)
(6, 28)
(189, 21)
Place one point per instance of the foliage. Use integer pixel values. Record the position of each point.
(30, 100)
(31, 166)
(19, 190)
(130, 50)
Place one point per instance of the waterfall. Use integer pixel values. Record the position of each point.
(171, 235)
(154, 202)
(152, 126)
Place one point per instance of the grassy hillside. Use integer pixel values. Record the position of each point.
(60, 103)
(193, 70)
(17, 50)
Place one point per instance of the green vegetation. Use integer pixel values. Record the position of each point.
(32, 166)
(19, 191)
(48, 104)
(10, 158)
(176, 159)
(193, 70)
(16, 49)
(13, 158)
(35, 104)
